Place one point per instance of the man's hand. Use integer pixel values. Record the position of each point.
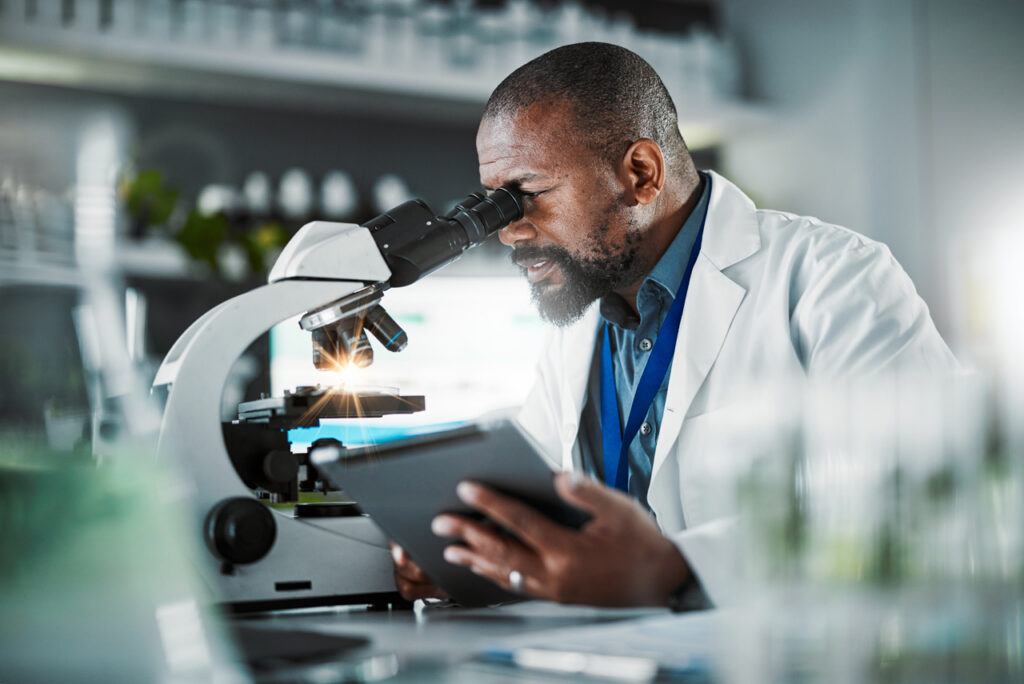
(411, 581)
(619, 558)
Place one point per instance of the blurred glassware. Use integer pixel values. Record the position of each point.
(339, 198)
(389, 190)
(880, 539)
(126, 17)
(257, 193)
(158, 19)
(194, 20)
(295, 194)
(217, 199)
(259, 24)
(96, 564)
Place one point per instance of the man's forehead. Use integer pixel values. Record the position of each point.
(526, 142)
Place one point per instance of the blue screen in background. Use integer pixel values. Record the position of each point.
(355, 433)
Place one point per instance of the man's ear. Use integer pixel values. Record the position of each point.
(642, 170)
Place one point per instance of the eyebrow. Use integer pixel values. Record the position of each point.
(516, 182)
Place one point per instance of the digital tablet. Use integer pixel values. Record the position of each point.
(403, 485)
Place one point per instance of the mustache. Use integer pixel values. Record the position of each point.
(527, 255)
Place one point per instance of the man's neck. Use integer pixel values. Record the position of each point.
(660, 234)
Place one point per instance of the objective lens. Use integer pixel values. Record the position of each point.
(340, 344)
(385, 329)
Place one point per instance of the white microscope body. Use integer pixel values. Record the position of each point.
(279, 560)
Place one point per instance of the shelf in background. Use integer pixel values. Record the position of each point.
(291, 79)
(150, 258)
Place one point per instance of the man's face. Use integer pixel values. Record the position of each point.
(578, 239)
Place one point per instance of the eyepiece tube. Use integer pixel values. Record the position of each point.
(489, 214)
(414, 242)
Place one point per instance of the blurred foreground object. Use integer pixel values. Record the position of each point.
(96, 582)
(882, 536)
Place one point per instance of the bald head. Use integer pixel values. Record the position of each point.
(616, 98)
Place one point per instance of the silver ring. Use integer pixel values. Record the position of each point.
(515, 580)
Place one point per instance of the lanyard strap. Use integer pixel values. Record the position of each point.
(615, 441)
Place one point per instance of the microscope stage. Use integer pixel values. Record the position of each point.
(307, 405)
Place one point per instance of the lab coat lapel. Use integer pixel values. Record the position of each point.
(711, 304)
(730, 235)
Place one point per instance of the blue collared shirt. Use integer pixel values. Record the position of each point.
(632, 339)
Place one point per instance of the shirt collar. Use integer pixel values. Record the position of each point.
(668, 272)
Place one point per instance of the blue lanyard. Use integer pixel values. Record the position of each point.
(615, 442)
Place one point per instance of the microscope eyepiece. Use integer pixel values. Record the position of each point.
(481, 215)
(415, 242)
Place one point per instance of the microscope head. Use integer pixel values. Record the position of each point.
(406, 243)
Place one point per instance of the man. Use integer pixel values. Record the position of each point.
(616, 212)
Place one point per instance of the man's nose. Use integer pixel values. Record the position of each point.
(515, 232)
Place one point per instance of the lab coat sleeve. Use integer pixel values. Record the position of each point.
(710, 551)
(540, 416)
(855, 312)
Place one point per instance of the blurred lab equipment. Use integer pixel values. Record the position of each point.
(881, 535)
(295, 194)
(95, 558)
(339, 199)
(262, 557)
(389, 190)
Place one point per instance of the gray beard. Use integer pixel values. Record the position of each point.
(584, 280)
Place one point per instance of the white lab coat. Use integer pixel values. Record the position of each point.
(772, 295)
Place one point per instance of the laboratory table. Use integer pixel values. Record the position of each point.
(432, 642)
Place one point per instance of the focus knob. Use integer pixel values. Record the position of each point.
(240, 530)
(280, 466)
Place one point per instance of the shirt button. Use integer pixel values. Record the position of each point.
(645, 428)
(646, 344)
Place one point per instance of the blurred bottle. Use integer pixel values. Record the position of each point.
(194, 17)
(258, 24)
(157, 19)
(295, 27)
(389, 190)
(874, 547)
(295, 194)
(257, 194)
(50, 14)
(87, 16)
(339, 200)
(127, 17)
(225, 22)
(217, 199)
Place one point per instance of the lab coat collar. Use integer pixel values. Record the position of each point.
(731, 233)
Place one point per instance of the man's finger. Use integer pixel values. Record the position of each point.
(497, 573)
(405, 567)
(412, 591)
(588, 494)
(533, 528)
(499, 550)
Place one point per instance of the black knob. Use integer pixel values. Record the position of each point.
(280, 466)
(240, 530)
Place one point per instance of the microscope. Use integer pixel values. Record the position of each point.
(260, 555)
